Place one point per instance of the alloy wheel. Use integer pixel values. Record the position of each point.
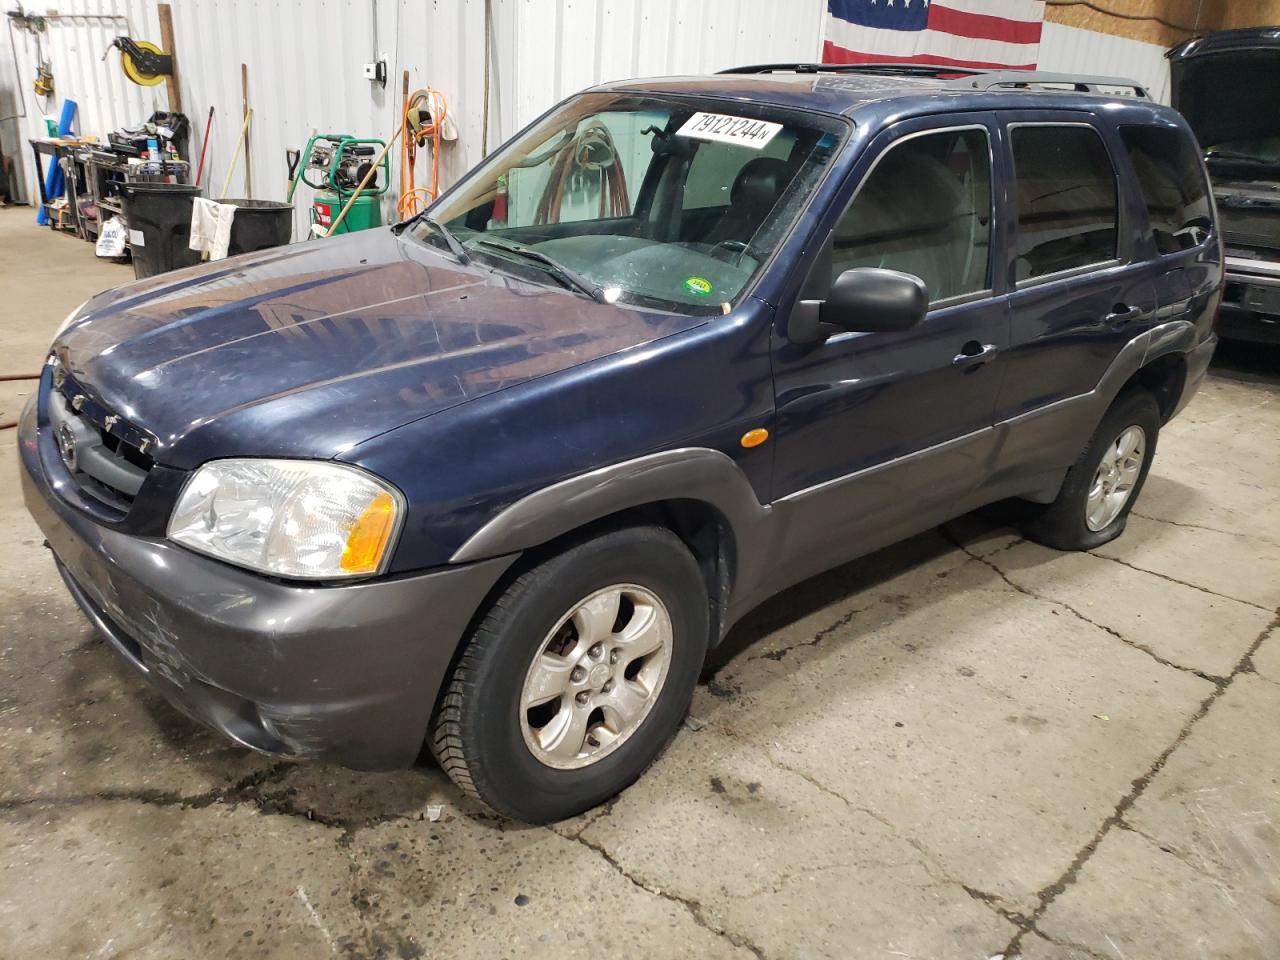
(1115, 478)
(596, 676)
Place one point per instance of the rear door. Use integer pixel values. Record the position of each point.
(1080, 287)
(1180, 235)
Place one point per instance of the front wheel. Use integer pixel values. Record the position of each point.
(1103, 485)
(578, 674)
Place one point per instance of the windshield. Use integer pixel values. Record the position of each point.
(663, 202)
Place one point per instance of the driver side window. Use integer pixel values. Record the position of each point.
(925, 210)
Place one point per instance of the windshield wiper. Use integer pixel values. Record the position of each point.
(1232, 157)
(567, 275)
(454, 244)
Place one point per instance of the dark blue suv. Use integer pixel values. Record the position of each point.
(496, 478)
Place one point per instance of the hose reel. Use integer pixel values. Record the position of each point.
(142, 61)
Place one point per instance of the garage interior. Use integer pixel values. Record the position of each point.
(966, 745)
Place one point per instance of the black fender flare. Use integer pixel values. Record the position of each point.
(685, 473)
(1175, 336)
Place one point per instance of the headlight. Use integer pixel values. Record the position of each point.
(73, 316)
(306, 519)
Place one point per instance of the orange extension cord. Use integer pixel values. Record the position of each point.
(412, 195)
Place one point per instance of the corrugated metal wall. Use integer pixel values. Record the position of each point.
(74, 43)
(1066, 49)
(304, 59)
(566, 45)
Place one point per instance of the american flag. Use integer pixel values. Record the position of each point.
(1000, 34)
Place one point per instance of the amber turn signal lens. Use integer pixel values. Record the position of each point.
(753, 438)
(369, 536)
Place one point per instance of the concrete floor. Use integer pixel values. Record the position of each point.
(963, 746)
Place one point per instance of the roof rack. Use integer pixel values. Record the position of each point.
(899, 69)
(1027, 79)
(960, 78)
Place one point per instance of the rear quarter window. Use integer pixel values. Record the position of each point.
(1172, 182)
(1066, 189)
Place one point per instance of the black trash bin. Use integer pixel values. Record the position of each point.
(259, 224)
(159, 219)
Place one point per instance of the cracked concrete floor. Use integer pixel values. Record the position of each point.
(962, 746)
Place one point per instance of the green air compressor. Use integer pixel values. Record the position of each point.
(334, 164)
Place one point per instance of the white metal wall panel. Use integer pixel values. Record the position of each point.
(74, 44)
(13, 129)
(1072, 50)
(565, 45)
(305, 59)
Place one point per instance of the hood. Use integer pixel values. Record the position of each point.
(1227, 84)
(310, 349)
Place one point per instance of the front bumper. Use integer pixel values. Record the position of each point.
(1251, 301)
(347, 674)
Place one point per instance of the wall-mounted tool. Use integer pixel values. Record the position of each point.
(334, 165)
(43, 84)
(34, 25)
(142, 61)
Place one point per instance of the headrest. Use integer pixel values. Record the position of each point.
(760, 180)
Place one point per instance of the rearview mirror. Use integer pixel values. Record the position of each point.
(863, 299)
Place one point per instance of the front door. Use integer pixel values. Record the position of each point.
(882, 434)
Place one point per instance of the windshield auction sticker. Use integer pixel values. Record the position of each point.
(740, 130)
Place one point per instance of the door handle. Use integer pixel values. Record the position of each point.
(974, 354)
(1120, 315)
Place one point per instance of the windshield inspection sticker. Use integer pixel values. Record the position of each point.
(744, 131)
(698, 286)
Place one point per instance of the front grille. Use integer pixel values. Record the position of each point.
(1257, 228)
(104, 456)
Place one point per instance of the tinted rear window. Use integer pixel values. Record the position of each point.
(1172, 184)
(1066, 199)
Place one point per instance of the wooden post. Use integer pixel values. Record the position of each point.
(166, 44)
(248, 163)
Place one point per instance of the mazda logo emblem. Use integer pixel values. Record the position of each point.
(67, 446)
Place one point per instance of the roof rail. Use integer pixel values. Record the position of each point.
(1027, 79)
(960, 78)
(899, 69)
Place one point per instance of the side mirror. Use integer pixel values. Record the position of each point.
(863, 299)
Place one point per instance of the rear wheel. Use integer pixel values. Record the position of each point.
(576, 677)
(1101, 488)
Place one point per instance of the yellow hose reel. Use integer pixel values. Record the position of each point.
(142, 61)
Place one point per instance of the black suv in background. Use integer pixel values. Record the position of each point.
(1227, 85)
(497, 477)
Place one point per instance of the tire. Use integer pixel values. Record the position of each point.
(1067, 523)
(505, 753)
